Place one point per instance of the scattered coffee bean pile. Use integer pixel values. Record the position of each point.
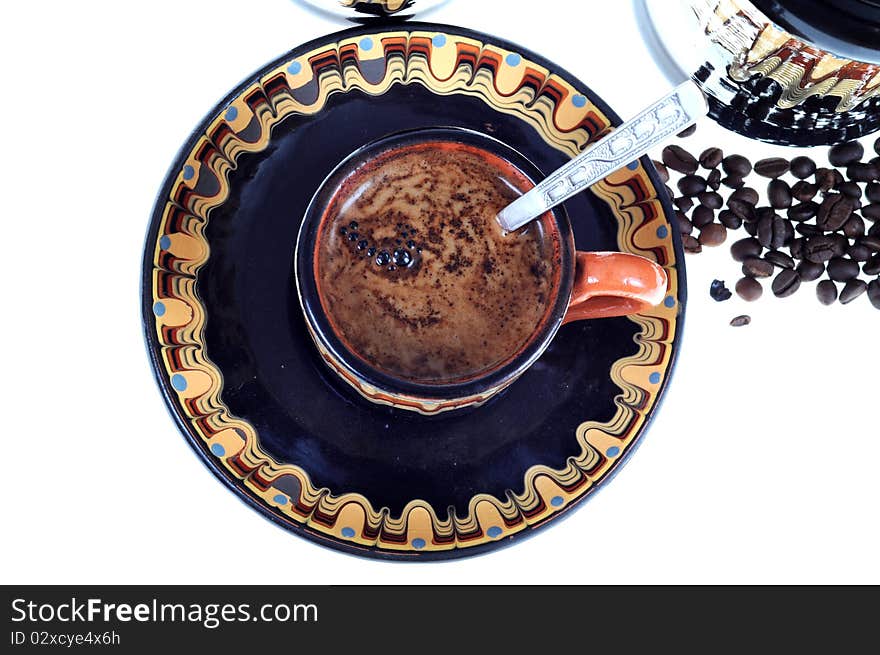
(818, 223)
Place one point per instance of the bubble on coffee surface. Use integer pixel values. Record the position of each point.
(431, 289)
(390, 256)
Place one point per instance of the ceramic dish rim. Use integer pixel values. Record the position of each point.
(168, 394)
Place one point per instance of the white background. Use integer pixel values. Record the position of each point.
(761, 466)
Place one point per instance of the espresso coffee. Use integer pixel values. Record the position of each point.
(415, 274)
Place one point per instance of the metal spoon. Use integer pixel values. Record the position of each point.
(665, 118)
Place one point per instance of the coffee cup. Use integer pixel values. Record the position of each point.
(416, 297)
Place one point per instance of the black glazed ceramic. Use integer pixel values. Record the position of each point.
(239, 372)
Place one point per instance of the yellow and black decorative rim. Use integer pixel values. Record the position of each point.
(519, 98)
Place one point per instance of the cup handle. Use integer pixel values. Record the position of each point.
(614, 284)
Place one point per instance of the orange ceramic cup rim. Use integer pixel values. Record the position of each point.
(578, 276)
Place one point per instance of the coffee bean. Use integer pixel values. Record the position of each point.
(711, 200)
(679, 159)
(839, 244)
(872, 266)
(691, 185)
(863, 172)
(841, 270)
(783, 233)
(662, 171)
(744, 210)
(844, 154)
(808, 230)
(729, 220)
(711, 158)
(690, 244)
(810, 271)
(802, 167)
(745, 194)
(854, 227)
(684, 225)
(859, 252)
(826, 292)
(754, 267)
(874, 230)
(874, 288)
(749, 289)
(871, 242)
(834, 211)
(684, 203)
(872, 211)
(850, 190)
(797, 247)
(872, 192)
(772, 167)
(825, 246)
(751, 228)
(803, 191)
(803, 211)
(825, 178)
(718, 291)
(736, 165)
(702, 216)
(779, 194)
(819, 249)
(713, 180)
(741, 321)
(713, 234)
(733, 182)
(745, 249)
(786, 283)
(852, 290)
(686, 132)
(779, 259)
(877, 145)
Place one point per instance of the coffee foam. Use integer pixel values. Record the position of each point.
(415, 274)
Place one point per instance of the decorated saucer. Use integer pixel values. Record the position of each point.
(230, 348)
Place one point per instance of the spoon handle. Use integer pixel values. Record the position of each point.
(666, 117)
